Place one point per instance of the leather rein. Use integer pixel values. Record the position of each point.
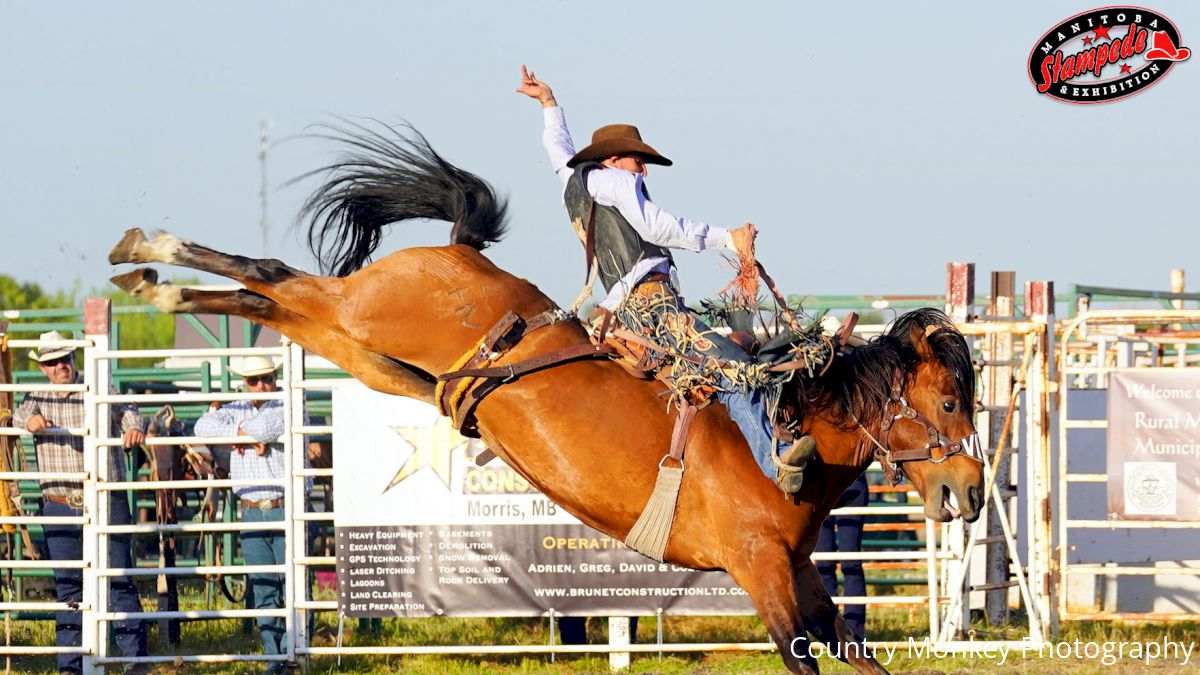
(892, 461)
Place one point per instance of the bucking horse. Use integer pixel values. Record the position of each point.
(584, 432)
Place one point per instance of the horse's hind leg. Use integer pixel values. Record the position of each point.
(767, 577)
(302, 293)
(167, 248)
(827, 624)
(374, 370)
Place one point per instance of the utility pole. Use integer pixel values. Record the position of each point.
(263, 142)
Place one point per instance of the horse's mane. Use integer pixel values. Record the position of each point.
(859, 384)
(388, 176)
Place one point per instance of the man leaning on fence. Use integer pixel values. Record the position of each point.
(263, 421)
(47, 415)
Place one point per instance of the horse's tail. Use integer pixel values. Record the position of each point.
(390, 176)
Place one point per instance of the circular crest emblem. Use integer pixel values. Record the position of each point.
(1150, 488)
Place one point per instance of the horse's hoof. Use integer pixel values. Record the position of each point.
(124, 251)
(137, 280)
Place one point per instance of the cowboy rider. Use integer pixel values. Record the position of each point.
(605, 183)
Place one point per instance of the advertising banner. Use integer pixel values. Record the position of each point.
(1154, 445)
(422, 531)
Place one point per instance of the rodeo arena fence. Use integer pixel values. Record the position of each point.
(1049, 543)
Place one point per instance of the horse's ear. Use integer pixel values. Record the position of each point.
(920, 340)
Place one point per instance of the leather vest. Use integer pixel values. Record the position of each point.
(618, 247)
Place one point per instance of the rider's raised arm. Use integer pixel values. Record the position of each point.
(556, 138)
(557, 141)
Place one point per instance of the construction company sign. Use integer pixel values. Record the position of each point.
(1105, 55)
(1154, 445)
(422, 531)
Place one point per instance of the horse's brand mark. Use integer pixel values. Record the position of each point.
(1105, 54)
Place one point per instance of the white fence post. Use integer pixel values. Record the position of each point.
(289, 502)
(297, 503)
(618, 636)
(94, 638)
(1039, 308)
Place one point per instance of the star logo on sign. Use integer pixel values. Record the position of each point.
(1087, 40)
(1102, 32)
(432, 446)
(1125, 68)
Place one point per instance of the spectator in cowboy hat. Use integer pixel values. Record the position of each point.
(265, 459)
(47, 415)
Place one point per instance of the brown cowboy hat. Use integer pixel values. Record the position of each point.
(617, 139)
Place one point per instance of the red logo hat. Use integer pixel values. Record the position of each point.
(1164, 49)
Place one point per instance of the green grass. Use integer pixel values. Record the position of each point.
(890, 624)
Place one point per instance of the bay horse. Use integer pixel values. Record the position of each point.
(585, 433)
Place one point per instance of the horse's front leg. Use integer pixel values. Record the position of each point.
(825, 622)
(767, 577)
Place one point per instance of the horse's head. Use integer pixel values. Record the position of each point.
(907, 397)
(927, 431)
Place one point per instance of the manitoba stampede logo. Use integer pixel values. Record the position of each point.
(1105, 55)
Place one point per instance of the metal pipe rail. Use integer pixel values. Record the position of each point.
(185, 397)
(77, 476)
(1101, 569)
(193, 614)
(192, 658)
(186, 440)
(49, 431)
(27, 564)
(42, 606)
(44, 388)
(195, 570)
(185, 484)
(152, 528)
(949, 646)
(209, 352)
(44, 520)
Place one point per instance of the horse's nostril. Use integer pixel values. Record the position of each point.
(974, 498)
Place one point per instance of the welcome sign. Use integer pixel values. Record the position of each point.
(1154, 445)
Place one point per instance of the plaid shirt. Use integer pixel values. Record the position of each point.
(65, 453)
(264, 424)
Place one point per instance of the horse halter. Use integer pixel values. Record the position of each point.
(893, 461)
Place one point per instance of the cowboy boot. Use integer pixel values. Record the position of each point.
(791, 464)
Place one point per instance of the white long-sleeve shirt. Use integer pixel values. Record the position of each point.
(623, 190)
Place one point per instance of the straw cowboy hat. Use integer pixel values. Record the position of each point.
(617, 139)
(255, 365)
(50, 351)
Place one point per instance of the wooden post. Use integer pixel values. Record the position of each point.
(1177, 287)
(960, 291)
(998, 383)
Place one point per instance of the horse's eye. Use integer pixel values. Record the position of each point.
(948, 406)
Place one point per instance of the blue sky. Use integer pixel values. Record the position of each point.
(871, 143)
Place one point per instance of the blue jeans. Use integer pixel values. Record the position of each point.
(660, 310)
(844, 533)
(266, 547)
(65, 542)
(748, 410)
